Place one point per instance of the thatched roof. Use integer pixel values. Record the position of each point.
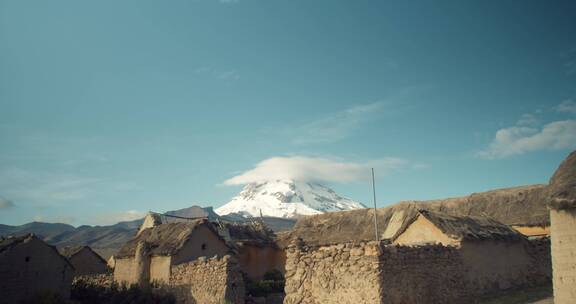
(70, 251)
(358, 225)
(471, 227)
(253, 232)
(165, 239)
(346, 226)
(168, 239)
(523, 206)
(562, 187)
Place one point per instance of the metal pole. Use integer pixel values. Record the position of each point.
(375, 217)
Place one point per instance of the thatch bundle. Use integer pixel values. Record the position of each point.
(471, 227)
(165, 239)
(562, 187)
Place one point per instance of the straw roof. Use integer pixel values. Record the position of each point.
(471, 227)
(346, 226)
(523, 206)
(165, 239)
(358, 225)
(168, 239)
(562, 187)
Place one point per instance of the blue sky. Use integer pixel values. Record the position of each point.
(109, 109)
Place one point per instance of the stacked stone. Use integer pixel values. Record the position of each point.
(342, 273)
(208, 281)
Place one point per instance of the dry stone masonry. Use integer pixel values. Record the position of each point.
(208, 281)
(372, 272)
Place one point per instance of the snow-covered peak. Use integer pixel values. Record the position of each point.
(287, 199)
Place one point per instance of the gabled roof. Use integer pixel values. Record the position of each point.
(70, 251)
(7, 243)
(166, 239)
(470, 227)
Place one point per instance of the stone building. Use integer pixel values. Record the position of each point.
(84, 260)
(562, 193)
(150, 256)
(28, 266)
(426, 257)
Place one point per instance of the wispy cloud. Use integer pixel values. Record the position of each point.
(335, 126)
(33, 186)
(228, 75)
(567, 106)
(527, 135)
(305, 168)
(5, 204)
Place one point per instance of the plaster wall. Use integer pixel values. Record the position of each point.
(563, 238)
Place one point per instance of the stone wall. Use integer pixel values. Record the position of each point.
(344, 273)
(207, 281)
(377, 273)
(563, 226)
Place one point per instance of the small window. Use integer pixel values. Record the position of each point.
(27, 259)
(203, 246)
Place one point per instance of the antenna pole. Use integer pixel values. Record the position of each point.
(375, 217)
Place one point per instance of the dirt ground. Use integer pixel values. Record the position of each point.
(538, 295)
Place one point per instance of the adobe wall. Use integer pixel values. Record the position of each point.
(377, 273)
(202, 242)
(30, 267)
(207, 281)
(256, 260)
(493, 266)
(160, 269)
(124, 271)
(563, 238)
(343, 273)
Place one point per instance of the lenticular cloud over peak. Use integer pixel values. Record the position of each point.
(316, 169)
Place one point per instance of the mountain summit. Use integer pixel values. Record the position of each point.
(286, 199)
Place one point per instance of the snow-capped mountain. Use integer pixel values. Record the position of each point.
(287, 199)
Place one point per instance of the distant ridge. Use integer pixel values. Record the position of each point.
(106, 240)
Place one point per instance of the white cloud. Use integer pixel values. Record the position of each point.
(335, 126)
(316, 169)
(567, 106)
(5, 204)
(520, 139)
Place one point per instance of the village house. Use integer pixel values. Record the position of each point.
(151, 254)
(84, 260)
(562, 193)
(422, 257)
(29, 266)
(184, 240)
